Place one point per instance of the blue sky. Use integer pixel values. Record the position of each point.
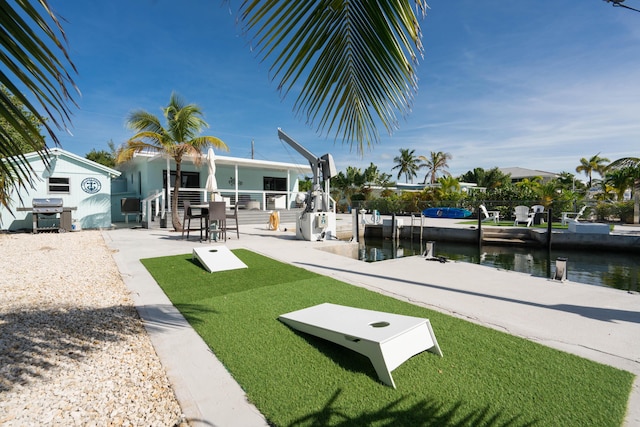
(535, 84)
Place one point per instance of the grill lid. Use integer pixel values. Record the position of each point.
(50, 205)
(53, 202)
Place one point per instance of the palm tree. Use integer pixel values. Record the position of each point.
(180, 138)
(489, 179)
(449, 189)
(31, 39)
(594, 164)
(407, 164)
(357, 60)
(632, 164)
(620, 180)
(373, 176)
(436, 162)
(355, 63)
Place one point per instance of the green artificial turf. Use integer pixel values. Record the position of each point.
(486, 378)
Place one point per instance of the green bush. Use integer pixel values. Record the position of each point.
(616, 211)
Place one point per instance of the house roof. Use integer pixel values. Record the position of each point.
(521, 173)
(227, 160)
(59, 152)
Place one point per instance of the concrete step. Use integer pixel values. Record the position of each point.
(512, 235)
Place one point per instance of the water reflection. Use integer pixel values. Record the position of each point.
(613, 269)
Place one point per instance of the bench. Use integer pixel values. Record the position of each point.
(130, 206)
(387, 339)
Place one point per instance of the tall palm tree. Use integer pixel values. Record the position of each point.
(35, 58)
(407, 164)
(594, 164)
(437, 161)
(178, 139)
(355, 61)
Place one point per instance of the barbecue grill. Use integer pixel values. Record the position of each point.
(47, 215)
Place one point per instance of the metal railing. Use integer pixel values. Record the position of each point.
(156, 201)
(261, 199)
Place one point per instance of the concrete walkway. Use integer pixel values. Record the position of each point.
(597, 323)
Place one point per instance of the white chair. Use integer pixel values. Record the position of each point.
(490, 215)
(537, 209)
(523, 215)
(572, 216)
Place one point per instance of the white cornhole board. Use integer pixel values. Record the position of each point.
(217, 258)
(387, 339)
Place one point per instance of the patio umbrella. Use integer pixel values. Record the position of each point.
(212, 184)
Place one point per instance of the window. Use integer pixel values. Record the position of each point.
(189, 179)
(274, 184)
(59, 185)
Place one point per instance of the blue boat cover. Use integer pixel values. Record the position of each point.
(446, 213)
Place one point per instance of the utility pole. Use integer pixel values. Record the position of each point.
(252, 149)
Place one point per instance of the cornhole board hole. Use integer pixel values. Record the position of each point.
(387, 339)
(217, 258)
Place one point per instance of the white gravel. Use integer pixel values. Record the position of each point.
(73, 350)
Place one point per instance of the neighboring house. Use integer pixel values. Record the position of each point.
(518, 174)
(464, 186)
(252, 184)
(83, 185)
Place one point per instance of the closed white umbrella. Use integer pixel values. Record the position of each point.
(212, 183)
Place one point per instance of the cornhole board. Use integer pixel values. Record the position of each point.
(217, 258)
(387, 339)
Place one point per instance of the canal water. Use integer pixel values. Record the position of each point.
(617, 270)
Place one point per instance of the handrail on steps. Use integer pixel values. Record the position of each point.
(158, 200)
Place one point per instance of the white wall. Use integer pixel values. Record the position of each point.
(92, 205)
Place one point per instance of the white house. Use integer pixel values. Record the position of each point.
(83, 185)
(250, 183)
(518, 174)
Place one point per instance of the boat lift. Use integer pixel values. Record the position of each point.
(318, 220)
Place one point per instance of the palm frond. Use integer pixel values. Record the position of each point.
(26, 35)
(625, 162)
(355, 58)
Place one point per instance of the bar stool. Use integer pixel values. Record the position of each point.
(218, 217)
(188, 216)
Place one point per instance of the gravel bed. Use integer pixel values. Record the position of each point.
(73, 350)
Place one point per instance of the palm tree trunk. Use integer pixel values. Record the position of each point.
(175, 218)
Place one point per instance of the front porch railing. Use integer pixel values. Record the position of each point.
(156, 201)
(249, 199)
